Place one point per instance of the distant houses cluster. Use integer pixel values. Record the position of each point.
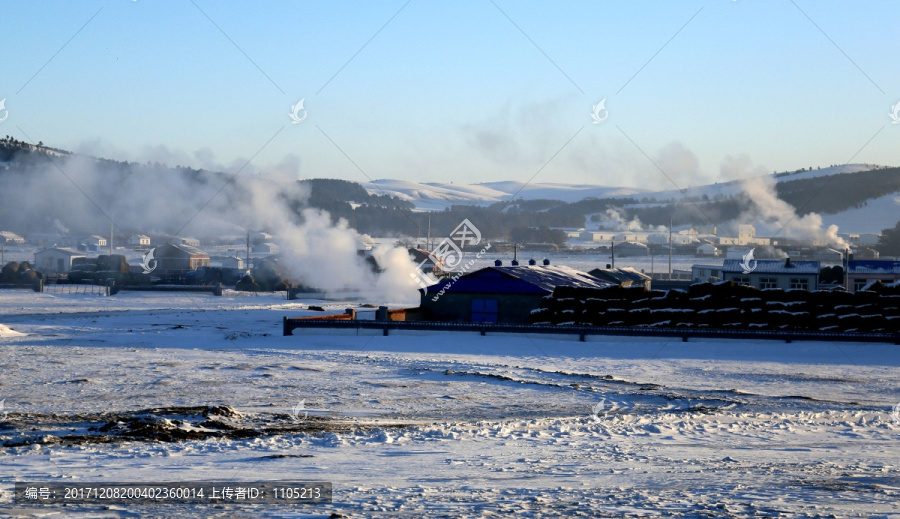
(710, 242)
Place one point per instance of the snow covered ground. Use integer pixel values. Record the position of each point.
(437, 425)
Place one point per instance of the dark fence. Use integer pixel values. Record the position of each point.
(289, 325)
(213, 289)
(37, 286)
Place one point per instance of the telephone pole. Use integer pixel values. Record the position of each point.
(612, 253)
(670, 247)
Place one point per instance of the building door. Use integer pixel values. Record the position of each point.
(59, 265)
(484, 310)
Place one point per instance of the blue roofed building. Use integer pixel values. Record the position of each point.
(864, 272)
(499, 294)
(763, 274)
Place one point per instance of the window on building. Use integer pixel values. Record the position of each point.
(859, 284)
(799, 283)
(484, 310)
(742, 280)
(768, 283)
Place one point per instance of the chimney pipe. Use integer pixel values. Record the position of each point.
(532, 262)
(546, 262)
(787, 263)
(498, 263)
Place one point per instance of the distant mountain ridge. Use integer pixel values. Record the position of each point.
(436, 196)
(858, 198)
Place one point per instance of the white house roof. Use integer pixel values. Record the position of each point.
(188, 249)
(61, 250)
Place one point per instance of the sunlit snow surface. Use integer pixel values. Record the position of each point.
(441, 425)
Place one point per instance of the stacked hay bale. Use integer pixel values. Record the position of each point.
(725, 305)
(19, 274)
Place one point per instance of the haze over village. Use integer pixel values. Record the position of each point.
(449, 260)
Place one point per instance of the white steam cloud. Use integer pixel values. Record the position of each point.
(771, 210)
(614, 219)
(157, 200)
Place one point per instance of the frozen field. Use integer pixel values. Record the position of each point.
(134, 387)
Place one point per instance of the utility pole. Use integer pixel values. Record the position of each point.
(110, 235)
(612, 254)
(247, 266)
(428, 239)
(670, 247)
(847, 269)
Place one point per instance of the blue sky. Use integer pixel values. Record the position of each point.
(455, 92)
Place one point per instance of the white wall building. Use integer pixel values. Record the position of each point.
(55, 260)
(95, 241)
(139, 240)
(708, 250)
(190, 242)
(233, 262)
(9, 238)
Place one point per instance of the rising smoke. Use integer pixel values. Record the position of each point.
(80, 193)
(766, 210)
(775, 213)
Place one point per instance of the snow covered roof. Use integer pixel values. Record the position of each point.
(520, 279)
(874, 267)
(619, 275)
(773, 267)
(61, 250)
(194, 251)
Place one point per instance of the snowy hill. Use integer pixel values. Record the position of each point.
(733, 187)
(436, 196)
(876, 215)
(873, 216)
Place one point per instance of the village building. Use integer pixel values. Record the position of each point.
(139, 241)
(763, 274)
(232, 262)
(708, 249)
(190, 242)
(260, 237)
(178, 258)
(624, 276)
(44, 239)
(706, 273)
(865, 253)
(55, 260)
(630, 249)
(11, 238)
(93, 242)
(862, 239)
(265, 248)
(829, 256)
(499, 294)
(863, 272)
